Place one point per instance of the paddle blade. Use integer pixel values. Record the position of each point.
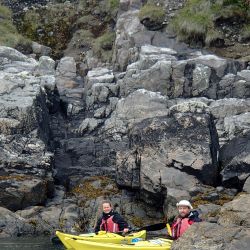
(169, 230)
(154, 227)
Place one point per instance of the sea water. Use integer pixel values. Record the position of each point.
(34, 243)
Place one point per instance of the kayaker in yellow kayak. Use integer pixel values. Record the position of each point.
(110, 221)
(184, 220)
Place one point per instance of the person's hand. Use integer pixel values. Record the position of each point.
(125, 230)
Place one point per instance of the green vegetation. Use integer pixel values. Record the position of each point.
(113, 4)
(155, 14)
(103, 45)
(197, 22)
(5, 12)
(9, 35)
(202, 199)
(245, 32)
(50, 26)
(105, 41)
(75, 27)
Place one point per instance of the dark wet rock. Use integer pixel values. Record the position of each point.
(23, 193)
(12, 224)
(234, 157)
(40, 220)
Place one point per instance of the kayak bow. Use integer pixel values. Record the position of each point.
(102, 237)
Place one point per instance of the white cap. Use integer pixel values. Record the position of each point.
(184, 203)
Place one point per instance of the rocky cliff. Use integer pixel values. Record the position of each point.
(157, 123)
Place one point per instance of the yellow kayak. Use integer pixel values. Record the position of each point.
(156, 244)
(102, 236)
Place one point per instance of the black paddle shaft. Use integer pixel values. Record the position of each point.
(154, 227)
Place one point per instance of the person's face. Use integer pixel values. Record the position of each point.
(106, 208)
(183, 211)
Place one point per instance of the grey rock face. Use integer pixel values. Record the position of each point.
(66, 76)
(201, 77)
(211, 236)
(143, 104)
(41, 50)
(46, 66)
(152, 72)
(160, 150)
(127, 25)
(158, 69)
(26, 165)
(231, 118)
(12, 54)
(236, 212)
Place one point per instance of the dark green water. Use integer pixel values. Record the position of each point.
(35, 243)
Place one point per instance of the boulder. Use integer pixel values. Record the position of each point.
(236, 212)
(66, 74)
(12, 224)
(40, 50)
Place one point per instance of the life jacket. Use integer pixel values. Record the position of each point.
(180, 226)
(109, 225)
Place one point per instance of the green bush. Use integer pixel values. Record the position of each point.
(105, 41)
(5, 13)
(245, 33)
(113, 4)
(103, 46)
(154, 13)
(213, 38)
(50, 26)
(192, 27)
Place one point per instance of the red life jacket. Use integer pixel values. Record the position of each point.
(180, 226)
(109, 225)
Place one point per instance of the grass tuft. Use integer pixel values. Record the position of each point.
(197, 22)
(155, 13)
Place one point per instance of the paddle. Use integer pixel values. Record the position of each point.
(153, 227)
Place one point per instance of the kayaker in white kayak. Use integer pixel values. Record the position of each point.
(185, 218)
(110, 221)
